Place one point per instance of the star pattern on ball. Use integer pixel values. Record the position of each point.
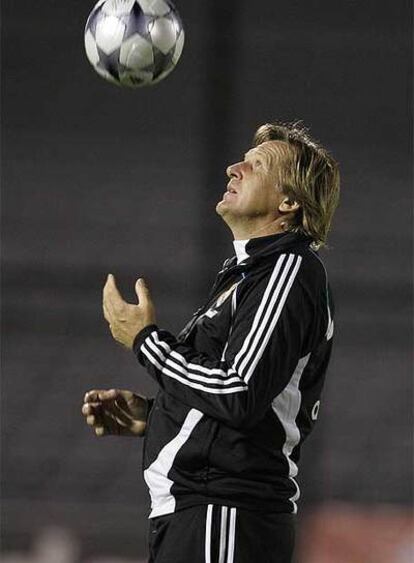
(110, 62)
(137, 22)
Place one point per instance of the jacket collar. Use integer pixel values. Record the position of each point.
(255, 253)
(240, 250)
(249, 251)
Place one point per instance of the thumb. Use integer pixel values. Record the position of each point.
(142, 291)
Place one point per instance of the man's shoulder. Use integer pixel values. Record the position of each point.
(301, 267)
(307, 259)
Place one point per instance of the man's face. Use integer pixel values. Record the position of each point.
(253, 191)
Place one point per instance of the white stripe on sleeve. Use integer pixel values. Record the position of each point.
(207, 545)
(166, 371)
(223, 529)
(232, 535)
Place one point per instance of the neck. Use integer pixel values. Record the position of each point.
(252, 230)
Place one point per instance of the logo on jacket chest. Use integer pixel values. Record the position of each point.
(214, 309)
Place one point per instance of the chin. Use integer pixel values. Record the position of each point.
(221, 208)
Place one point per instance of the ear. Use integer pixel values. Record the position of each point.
(288, 205)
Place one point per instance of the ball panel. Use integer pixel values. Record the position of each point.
(117, 7)
(178, 48)
(163, 34)
(109, 33)
(154, 7)
(136, 53)
(90, 48)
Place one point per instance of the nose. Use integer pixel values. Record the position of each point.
(234, 171)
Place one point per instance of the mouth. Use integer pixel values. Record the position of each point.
(229, 194)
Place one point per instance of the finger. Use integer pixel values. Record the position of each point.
(138, 427)
(112, 297)
(90, 420)
(100, 394)
(111, 419)
(108, 408)
(109, 425)
(86, 396)
(122, 425)
(92, 408)
(119, 415)
(92, 395)
(107, 394)
(96, 419)
(142, 292)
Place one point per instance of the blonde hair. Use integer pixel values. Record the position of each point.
(309, 175)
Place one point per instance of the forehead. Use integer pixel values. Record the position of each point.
(272, 151)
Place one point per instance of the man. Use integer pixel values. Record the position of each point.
(239, 389)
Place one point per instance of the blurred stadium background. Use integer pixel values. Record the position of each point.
(97, 179)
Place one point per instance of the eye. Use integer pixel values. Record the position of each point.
(253, 161)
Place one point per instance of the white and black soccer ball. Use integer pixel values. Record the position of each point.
(134, 42)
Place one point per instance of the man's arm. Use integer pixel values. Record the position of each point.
(262, 352)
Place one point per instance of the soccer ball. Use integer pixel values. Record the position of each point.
(134, 42)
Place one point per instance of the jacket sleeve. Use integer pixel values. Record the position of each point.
(260, 356)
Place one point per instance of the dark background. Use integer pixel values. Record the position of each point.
(98, 179)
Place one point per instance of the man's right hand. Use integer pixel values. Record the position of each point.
(115, 411)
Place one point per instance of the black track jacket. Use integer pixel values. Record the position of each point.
(240, 386)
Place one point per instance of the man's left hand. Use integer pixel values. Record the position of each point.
(126, 320)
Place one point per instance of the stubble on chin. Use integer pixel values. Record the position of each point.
(220, 208)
